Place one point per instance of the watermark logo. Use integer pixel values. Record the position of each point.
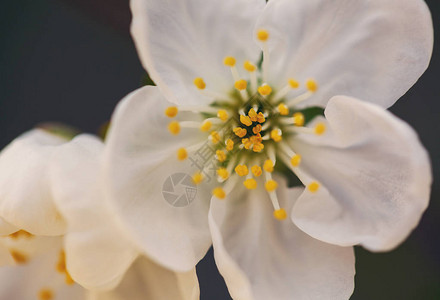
(179, 190)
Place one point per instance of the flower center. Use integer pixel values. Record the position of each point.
(249, 128)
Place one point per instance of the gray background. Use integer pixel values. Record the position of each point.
(73, 60)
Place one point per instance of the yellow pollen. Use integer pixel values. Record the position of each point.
(295, 160)
(215, 137)
(19, 234)
(298, 119)
(174, 127)
(257, 129)
(245, 120)
(263, 35)
(320, 128)
(223, 173)
(275, 135)
(229, 61)
(241, 170)
(280, 214)
(199, 83)
(247, 143)
(271, 185)
(265, 90)
(268, 166)
(261, 118)
(311, 85)
(250, 184)
(45, 294)
(240, 132)
(206, 125)
(241, 84)
(258, 147)
(313, 187)
(222, 115)
(197, 178)
(283, 109)
(219, 193)
(171, 111)
(293, 83)
(256, 170)
(229, 144)
(19, 258)
(221, 155)
(182, 154)
(250, 67)
(252, 115)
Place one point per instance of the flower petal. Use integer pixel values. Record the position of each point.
(147, 280)
(375, 174)
(180, 40)
(25, 199)
(263, 258)
(140, 163)
(97, 253)
(374, 50)
(6, 228)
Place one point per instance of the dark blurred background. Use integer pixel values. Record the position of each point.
(72, 60)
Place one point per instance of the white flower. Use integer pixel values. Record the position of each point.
(58, 185)
(367, 177)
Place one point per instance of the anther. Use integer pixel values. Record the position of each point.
(174, 127)
(215, 137)
(250, 184)
(275, 135)
(199, 83)
(261, 118)
(271, 185)
(256, 170)
(223, 173)
(295, 160)
(182, 154)
(283, 109)
(229, 61)
(220, 155)
(280, 214)
(219, 193)
(252, 115)
(245, 120)
(250, 67)
(222, 115)
(298, 119)
(241, 85)
(257, 129)
(268, 166)
(241, 170)
(320, 128)
(313, 187)
(262, 35)
(293, 83)
(265, 90)
(171, 111)
(311, 85)
(229, 144)
(240, 132)
(197, 178)
(206, 126)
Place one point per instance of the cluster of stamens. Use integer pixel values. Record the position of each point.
(249, 128)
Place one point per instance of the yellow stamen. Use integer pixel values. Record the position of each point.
(241, 170)
(298, 119)
(197, 178)
(268, 166)
(219, 193)
(240, 132)
(221, 155)
(265, 90)
(206, 125)
(252, 115)
(295, 160)
(241, 84)
(223, 173)
(293, 83)
(311, 85)
(263, 35)
(45, 294)
(258, 147)
(313, 187)
(256, 170)
(257, 129)
(182, 154)
(283, 109)
(271, 185)
(215, 137)
(261, 118)
(229, 144)
(250, 184)
(19, 258)
(199, 83)
(222, 115)
(171, 111)
(250, 67)
(280, 214)
(229, 61)
(245, 120)
(275, 135)
(174, 127)
(320, 128)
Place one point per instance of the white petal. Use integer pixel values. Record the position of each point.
(263, 258)
(24, 282)
(375, 174)
(6, 228)
(179, 40)
(97, 253)
(140, 157)
(374, 50)
(147, 280)
(25, 199)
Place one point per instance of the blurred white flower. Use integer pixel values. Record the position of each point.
(366, 176)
